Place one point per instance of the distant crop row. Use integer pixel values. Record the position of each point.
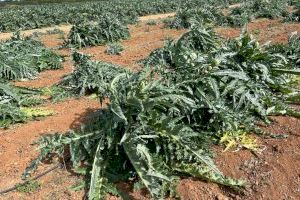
(237, 15)
(107, 29)
(36, 16)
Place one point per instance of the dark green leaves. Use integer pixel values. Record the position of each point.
(12, 99)
(106, 29)
(159, 122)
(21, 58)
(90, 76)
(24, 58)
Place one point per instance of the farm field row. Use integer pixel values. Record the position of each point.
(71, 112)
(37, 16)
(67, 28)
(184, 97)
(144, 39)
(221, 12)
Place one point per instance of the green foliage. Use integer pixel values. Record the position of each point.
(151, 22)
(132, 137)
(184, 18)
(114, 49)
(159, 122)
(24, 58)
(237, 16)
(294, 16)
(10, 114)
(28, 187)
(36, 16)
(56, 93)
(127, 11)
(106, 29)
(33, 2)
(12, 99)
(266, 8)
(241, 70)
(291, 50)
(252, 9)
(89, 75)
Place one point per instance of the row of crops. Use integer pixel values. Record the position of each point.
(237, 15)
(160, 122)
(29, 17)
(20, 59)
(110, 28)
(32, 16)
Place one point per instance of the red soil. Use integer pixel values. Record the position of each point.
(264, 30)
(144, 39)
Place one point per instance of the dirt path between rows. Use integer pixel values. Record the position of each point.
(157, 17)
(264, 30)
(66, 27)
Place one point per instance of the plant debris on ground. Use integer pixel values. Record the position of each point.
(23, 58)
(107, 29)
(159, 123)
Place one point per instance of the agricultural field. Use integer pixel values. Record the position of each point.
(140, 99)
